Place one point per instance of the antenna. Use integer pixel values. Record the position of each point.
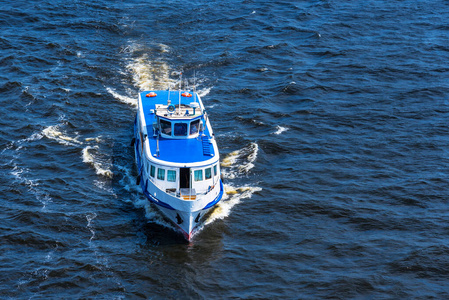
(194, 85)
(180, 84)
(168, 100)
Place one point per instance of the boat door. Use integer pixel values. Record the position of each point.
(184, 178)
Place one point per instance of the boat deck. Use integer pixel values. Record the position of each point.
(189, 150)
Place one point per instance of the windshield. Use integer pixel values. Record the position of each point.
(194, 126)
(180, 129)
(166, 127)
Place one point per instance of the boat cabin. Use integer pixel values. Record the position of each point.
(182, 158)
(177, 122)
(186, 183)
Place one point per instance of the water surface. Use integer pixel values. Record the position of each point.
(331, 118)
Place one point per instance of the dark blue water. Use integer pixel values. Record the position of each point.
(331, 117)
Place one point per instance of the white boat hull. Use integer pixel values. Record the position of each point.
(186, 216)
(189, 225)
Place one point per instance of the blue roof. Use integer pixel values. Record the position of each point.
(175, 150)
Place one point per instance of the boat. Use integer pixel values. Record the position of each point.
(177, 157)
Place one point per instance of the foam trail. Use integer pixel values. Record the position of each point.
(164, 48)
(32, 185)
(91, 159)
(128, 181)
(89, 218)
(253, 149)
(230, 159)
(224, 207)
(151, 213)
(280, 129)
(20, 174)
(155, 216)
(34, 137)
(204, 92)
(150, 74)
(102, 261)
(235, 164)
(121, 98)
(54, 133)
(240, 161)
(96, 139)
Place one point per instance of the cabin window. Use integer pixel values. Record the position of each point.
(161, 174)
(171, 175)
(215, 170)
(152, 170)
(180, 129)
(208, 173)
(194, 126)
(165, 127)
(198, 175)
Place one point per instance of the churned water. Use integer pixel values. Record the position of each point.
(331, 117)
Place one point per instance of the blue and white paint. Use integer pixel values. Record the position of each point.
(177, 156)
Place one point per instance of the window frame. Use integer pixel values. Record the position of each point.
(197, 127)
(168, 176)
(158, 174)
(163, 129)
(195, 175)
(182, 124)
(210, 173)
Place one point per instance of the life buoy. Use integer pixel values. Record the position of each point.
(186, 94)
(151, 94)
(171, 108)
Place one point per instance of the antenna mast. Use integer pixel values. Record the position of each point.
(180, 83)
(168, 100)
(194, 85)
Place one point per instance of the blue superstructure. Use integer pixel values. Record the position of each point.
(192, 150)
(177, 156)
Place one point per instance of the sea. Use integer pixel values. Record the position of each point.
(331, 118)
